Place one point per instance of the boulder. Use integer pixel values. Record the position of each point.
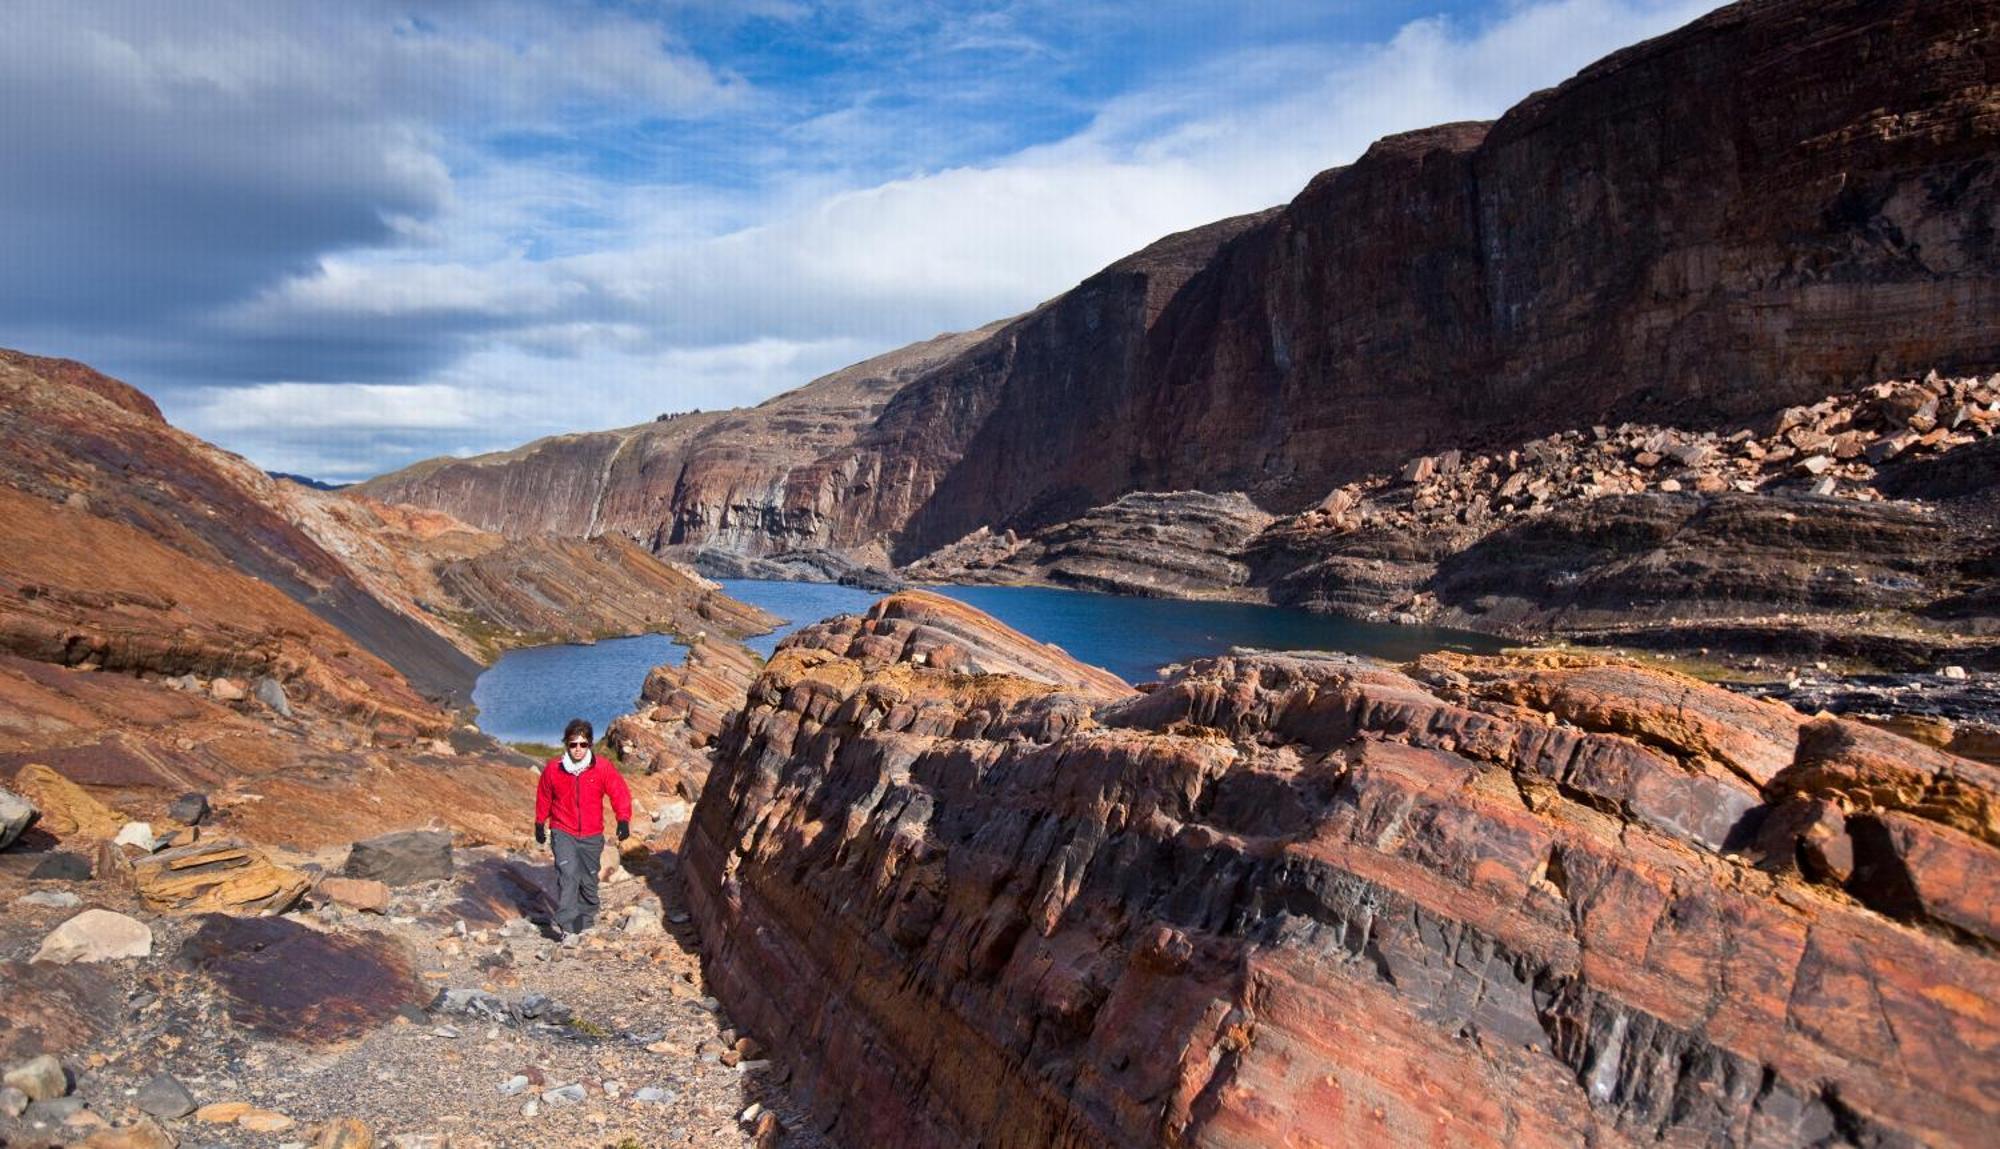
(223, 876)
(227, 690)
(138, 835)
(189, 809)
(401, 859)
(96, 935)
(16, 815)
(272, 694)
(40, 1078)
(61, 866)
(67, 809)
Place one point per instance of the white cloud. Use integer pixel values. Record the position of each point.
(330, 198)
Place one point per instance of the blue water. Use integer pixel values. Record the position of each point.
(529, 694)
(1131, 637)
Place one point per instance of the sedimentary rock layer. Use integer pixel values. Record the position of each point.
(1306, 900)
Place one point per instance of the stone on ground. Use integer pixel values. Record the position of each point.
(50, 899)
(402, 858)
(138, 835)
(61, 866)
(144, 1133)
(16, 815)
(264, 1121)
(362, 894)
(163, 1096)
(223, 876)
(189, 809)
(344, 1133)
(96, 935)
(223, 1112)
(271, 694)
(40, 1078)
(13, 1102)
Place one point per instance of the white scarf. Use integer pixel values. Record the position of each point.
(574, 768)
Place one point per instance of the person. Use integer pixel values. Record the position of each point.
(569, 817)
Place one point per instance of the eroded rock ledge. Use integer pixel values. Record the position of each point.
(988, 895)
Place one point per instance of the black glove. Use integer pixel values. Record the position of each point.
(541, 834)
(624, 830)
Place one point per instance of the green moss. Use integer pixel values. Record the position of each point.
(538, 750)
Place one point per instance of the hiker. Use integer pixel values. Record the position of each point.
(571, 797)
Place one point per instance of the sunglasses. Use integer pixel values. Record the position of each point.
(583, 744)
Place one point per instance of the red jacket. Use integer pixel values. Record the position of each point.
(575, 805)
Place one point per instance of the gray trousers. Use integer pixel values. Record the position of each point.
(576, 879)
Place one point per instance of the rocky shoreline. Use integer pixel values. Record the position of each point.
(1555, 899)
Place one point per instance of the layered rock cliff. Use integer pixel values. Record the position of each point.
(1786, 199)
(761, 481)
(983, 894)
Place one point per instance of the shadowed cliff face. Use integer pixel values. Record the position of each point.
(1302, 899)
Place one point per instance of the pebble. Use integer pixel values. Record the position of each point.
(40, 1078)
(50, 899)
(513, 1085)
(654, 1093)
(12, 1101)
(564, 1094)
(531, 1108)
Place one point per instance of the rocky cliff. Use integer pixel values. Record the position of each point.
(761, 481)
(174, 620)
(983, 894)
(1786, 199)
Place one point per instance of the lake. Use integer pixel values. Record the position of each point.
(529, 694)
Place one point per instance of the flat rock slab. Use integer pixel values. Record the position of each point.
(401, 859)
(96, 935)
(284, 980)
(223, 875)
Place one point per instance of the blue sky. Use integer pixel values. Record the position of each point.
(342, 237)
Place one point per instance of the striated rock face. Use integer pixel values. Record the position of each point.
(759, 481)
(1183, 544)
(1303, 899)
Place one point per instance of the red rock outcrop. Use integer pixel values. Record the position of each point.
(1299, 899)
(1785, 199)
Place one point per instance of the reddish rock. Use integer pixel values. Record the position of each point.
(1304, 899)
(363, 894)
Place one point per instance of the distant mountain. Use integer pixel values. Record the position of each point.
(305, 481)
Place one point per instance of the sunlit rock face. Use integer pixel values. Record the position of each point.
(986, 895)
